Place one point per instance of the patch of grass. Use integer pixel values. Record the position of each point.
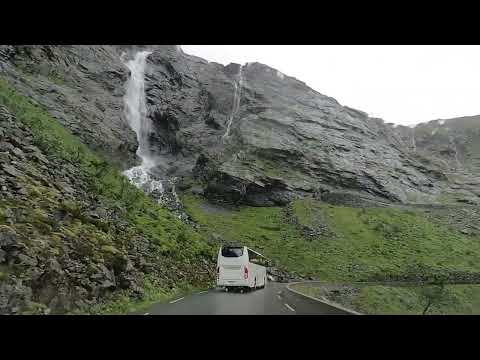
(34, 309)
(306, 210)
(388, 300)
(110, 249)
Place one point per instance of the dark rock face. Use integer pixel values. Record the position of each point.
(285, 141)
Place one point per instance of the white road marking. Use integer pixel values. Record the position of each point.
(174, 301)
(202, 292)
(289, 307)
(146, 314)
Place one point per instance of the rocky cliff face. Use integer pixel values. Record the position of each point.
(454, 145)
(284, 139)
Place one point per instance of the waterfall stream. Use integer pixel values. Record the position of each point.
(414, 143)
(136, 115)
(236, 101)
(454, 147)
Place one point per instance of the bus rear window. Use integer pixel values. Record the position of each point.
(232, 251)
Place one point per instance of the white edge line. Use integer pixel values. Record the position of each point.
(322, 301)
(174, 301)
(289, 307)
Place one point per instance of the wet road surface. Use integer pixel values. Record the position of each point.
(274, 299)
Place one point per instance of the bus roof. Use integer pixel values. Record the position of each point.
(243, 246)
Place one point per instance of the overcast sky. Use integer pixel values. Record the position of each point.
(400, 84)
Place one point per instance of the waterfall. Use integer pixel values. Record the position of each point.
(236, 101)
(135, 107)
(414, 143)
(136, 115)
(454, 146)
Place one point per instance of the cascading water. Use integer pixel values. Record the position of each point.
(136, 114)
(236, 101)
(454, 147)
(414, 143)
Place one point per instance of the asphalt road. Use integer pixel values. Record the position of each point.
(274, 299)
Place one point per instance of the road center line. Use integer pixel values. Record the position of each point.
(174, 301)
(202, 292)
(146, 314)
(289, 307)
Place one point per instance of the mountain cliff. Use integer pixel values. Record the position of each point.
(283, 140)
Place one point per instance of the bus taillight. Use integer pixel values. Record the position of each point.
(245, 275)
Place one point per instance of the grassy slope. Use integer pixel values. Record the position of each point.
(365, 242)
(144, 217)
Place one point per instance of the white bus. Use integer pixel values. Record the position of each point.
(241, 268)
